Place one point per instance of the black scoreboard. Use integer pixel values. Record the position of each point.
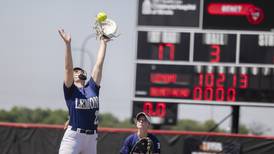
(218, 52)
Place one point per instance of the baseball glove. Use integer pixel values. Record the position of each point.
(105, 27)
(143, 146)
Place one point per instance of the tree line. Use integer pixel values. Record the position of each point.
(59, 116)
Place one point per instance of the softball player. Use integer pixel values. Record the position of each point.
(82, 101)
(142, 123)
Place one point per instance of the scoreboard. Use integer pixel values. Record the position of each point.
(217, 52)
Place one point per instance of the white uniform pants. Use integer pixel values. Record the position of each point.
(78, 143)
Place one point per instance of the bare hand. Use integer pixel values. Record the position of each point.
(66, 37)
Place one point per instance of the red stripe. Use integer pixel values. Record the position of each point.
(173, 132)
(131, 130)
(29, 125)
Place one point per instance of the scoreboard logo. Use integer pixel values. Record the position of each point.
(254, 14)
(164, 7)
(169, 13)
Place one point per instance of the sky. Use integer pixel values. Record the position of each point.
(32, 57)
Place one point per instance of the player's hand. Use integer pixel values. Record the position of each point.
(66, 37)
(104, 39)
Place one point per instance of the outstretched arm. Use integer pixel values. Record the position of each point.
(98, 67)
(68, 80)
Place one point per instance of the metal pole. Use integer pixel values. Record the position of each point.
(235, 119)
(83, 49)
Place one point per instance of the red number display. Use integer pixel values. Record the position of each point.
(211, 87)
(220, 94)
(169, 92)
(157, 109)
(220, 80)
(215, 53)
(209, 80)
(163, 78)
(243, 81)
(166, 47)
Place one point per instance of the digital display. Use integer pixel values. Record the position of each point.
(210, 83)
(157, 45)
(238, 14)
(160, 112)
(258, 49)
(218, 52)
(215, 47)
(192, 80)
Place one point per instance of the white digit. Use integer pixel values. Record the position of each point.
(96, 121)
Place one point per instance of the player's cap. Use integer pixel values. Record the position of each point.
(143, 114)
(77, 68)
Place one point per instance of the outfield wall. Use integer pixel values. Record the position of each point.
(19, 138)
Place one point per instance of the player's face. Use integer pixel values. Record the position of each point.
(76, 74)
(142, 123)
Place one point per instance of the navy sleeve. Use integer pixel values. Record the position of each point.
(67, 91)
(156, 144)
(126, 146)
(93, 85)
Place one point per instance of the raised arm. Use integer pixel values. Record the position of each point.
(98, 67)
(68, 80)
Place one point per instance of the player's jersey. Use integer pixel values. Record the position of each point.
(83, 105)
(133, 138)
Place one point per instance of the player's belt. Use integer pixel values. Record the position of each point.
(84, 131)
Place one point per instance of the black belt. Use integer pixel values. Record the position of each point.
(84, 131)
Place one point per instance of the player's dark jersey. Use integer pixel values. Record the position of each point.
(133, 138)
(83, 105)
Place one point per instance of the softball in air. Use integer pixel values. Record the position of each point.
(101, 16)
